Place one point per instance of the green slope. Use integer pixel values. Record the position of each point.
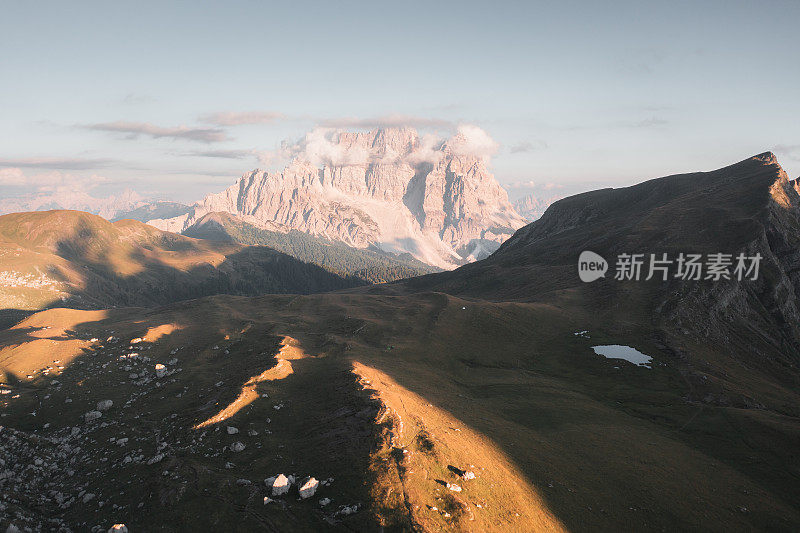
(370, 266)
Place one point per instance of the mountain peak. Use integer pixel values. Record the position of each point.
(767, 158)
(387, 188)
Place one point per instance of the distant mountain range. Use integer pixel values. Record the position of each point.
(532, 207)
(107, 208)
(391, 191)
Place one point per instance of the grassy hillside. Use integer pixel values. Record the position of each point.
(370, 266)
(392, 397)
(81, 260)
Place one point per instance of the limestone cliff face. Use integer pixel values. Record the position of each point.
(388, 188)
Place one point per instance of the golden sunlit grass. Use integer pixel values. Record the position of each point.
(288, 351)
(44, 338)
(426, 440)
(155, 333)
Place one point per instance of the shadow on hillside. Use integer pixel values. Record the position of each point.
(595, 442)
(9, 317)
(174, 269)
(324, 429)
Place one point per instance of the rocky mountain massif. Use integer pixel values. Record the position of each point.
(483, 399)
(389, 188)
(750, 207)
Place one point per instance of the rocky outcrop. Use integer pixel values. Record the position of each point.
(389, 188)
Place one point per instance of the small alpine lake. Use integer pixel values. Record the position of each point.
(618, 351)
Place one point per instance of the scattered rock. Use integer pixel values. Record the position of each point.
(237, 446)
(348, 509)
(324, 501)
(92, 415)
(280, 485)
(309, 488)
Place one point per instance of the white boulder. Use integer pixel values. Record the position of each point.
(309, 488)
(237, 446)
(280, 485)
(161, 370)
(104, 405)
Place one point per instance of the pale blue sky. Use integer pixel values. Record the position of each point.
(577, 94)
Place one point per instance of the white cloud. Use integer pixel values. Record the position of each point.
(12, 177)
(650, 122)
(221, 154)
(265, 157)
(428, 151)
(528, 146)
(322, 147)
(134, 129)
(531, 184)
(386, 121)
(790, 151)
(54, 181)
(240, 118)
(58, 163)
(470, 140)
